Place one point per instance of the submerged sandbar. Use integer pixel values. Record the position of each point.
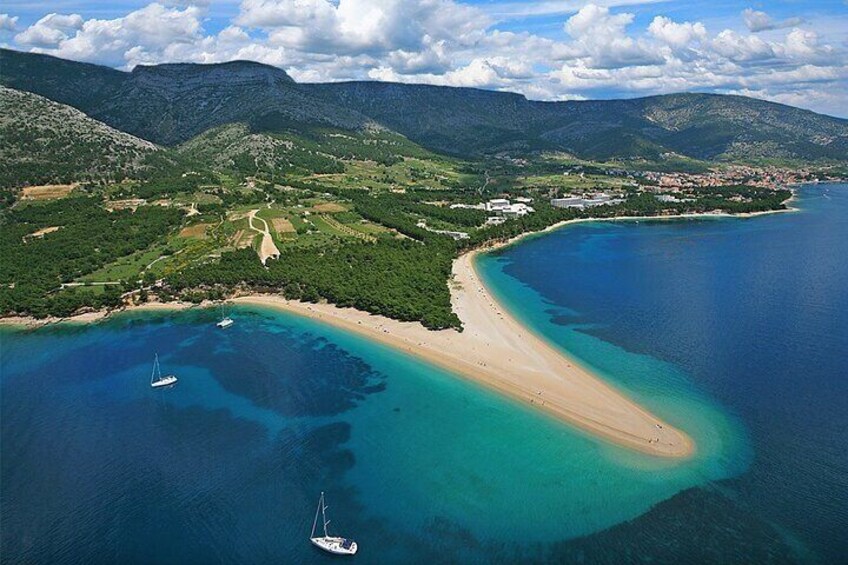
(499, 352)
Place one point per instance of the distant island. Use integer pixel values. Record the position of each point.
(185, 184)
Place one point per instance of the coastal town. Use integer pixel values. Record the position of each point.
(609, 187)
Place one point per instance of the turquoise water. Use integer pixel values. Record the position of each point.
(418, 465)
(744, 318)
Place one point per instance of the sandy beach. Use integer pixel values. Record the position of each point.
(498, 352)
(495, 350)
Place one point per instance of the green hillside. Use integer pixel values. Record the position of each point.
(367, 191)
(45, 142)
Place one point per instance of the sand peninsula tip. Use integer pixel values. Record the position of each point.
(500, 353)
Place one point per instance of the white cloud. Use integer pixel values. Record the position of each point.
(825, 102)
(592, 19)
(50, 30)
(602, 38)
(433, 58)
(803, 46)
(356, 26)
(675, 34)
(8, 23)
(524, 9)
(600, 51)
(492, 73)
(760, 21)
(737, 47)
(142, 36)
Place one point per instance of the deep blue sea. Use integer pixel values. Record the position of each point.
(735, 330)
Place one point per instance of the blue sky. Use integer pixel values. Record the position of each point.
(795, 52)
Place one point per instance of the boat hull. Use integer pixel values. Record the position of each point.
(164, 381)
(334, 545)
(225, 323)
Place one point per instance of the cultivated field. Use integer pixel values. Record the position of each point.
(329, 208)
(47, 191)
(197, 231)
(283, 226)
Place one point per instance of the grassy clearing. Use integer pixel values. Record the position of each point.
(369, 228)
(322, 225)
(205, 198)
(346, 229)
(410, 172)
(571, 182)
(126, 268)
(301, 225)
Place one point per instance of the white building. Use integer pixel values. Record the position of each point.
(497, 205)
(516, 210)
(596, 199)
(502, 207)
(457, 235)
(600, 197)
(666, 198)
(568, 202)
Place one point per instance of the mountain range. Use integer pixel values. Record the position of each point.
(173, 104)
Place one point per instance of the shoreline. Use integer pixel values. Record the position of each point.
(94, 316)
(498, 352)
(495, 245)
(30, 322)
(495, 350)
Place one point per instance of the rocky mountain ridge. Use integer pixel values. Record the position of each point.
(170, 104)
(45, 142)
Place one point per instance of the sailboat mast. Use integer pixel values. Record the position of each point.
(315, 521)
(155, 368)
(324, 515)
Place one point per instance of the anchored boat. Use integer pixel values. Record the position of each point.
(226, 321)
(156, 378)
(330, 544)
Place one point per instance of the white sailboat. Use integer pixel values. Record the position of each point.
(226, 321)
(331, 544)
(156, 378)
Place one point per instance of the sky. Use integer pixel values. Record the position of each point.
(790, 51)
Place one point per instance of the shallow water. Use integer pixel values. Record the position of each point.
(752, 313)
(420, 465)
